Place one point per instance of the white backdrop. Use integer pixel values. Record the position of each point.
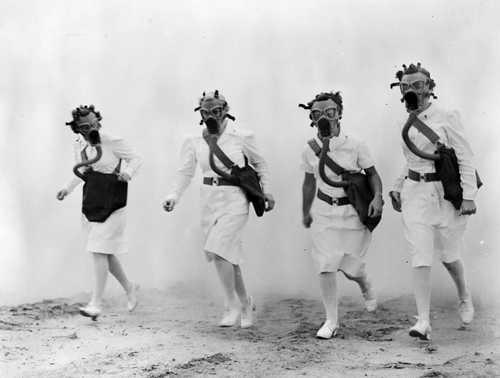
(144, 65)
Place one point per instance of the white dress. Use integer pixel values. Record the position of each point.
(339, 239)
(107, 237)
(224, 209)
(430, 222)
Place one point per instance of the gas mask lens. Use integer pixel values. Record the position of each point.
(417, 86)
(90, 132)
(214, 112)
(329, 113)
(83, 128)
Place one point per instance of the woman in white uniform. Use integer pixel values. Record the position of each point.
(225, 207)
(340, 240)
(430, 222)
(105, 237)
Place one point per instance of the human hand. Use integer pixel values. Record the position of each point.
(307, 220)
(169, 205)
(396, 200)
(468, 207)
(269, 201)
(61, 194)
(124, 176)
(375, 206)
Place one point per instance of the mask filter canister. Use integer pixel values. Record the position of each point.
(411, 100)
(324, 128)
(212, 125)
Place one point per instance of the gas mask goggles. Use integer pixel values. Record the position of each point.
(324, 114)
(214, 109)
(325, 111)
(415, 84)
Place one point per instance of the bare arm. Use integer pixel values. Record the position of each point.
(366, 163)
(395, 193)
(253, 153)
(308, 192)
(375, 207)
(463, 150)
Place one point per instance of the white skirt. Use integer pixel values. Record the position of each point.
(224, 214)
(431, 223)
(223, 237)
(107, 237)
(339, 248)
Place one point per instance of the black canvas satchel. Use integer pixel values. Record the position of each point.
(358, 188)
(446, 163)
(245, 177)
(103, 193)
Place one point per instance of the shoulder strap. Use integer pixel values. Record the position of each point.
(212, 144)
(314, 146)
(118, 167)
(337, 169)
(83, 154)
(426, 130)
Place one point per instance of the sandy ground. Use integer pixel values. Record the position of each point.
(174, 332)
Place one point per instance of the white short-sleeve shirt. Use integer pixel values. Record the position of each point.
(348, 152)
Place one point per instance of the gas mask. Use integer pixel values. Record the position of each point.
(86, 122)
(416, 86)
(325, 111)
(325, 115)
(214, 109)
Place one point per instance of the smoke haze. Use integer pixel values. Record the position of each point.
(144, 65)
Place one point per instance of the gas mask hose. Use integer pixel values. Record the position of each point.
(95, 141)
(212, 139)
(322, 173)
(411, 145)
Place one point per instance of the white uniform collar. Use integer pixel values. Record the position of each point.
(428, 111)
(335, 141)
(230, 129)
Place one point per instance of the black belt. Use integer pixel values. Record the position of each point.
(341, 201)
(427, 177)
(217, 181)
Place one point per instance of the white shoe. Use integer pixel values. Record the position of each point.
(247, 314)
(466, 310)
(230, 317)
(327, 330)
(422, 330)
(132, 298)
(90, 311)
(370, 300)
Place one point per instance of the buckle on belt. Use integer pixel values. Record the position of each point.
(215, 181)
(335, 201)
(426, 177)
